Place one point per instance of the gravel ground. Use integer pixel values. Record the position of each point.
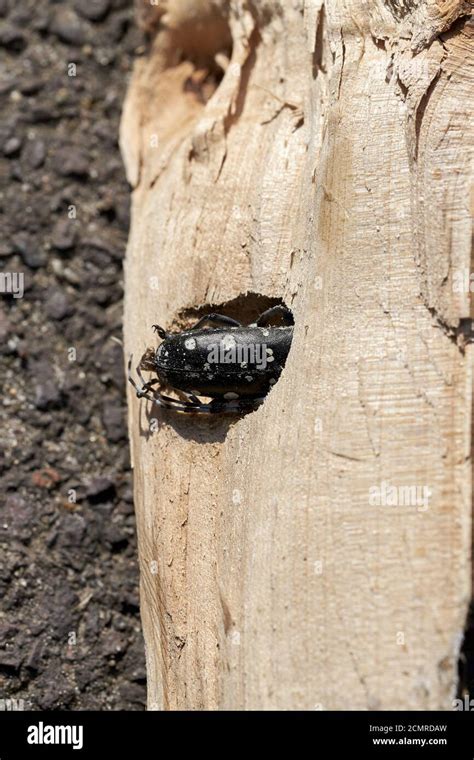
(70, 635)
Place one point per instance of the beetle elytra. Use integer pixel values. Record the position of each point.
(232, 364)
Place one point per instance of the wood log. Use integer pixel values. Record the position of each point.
(313, 554)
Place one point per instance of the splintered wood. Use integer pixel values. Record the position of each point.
(314, 554)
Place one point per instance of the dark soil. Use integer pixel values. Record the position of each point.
(70, 635)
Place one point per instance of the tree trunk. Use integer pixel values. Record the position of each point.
(314, 554)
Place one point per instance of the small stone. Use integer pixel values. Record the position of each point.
(72, 530)
(113, 644)
(12, 147)
(58, 306)
(99, 243)
(114, 422)
(64, 234)
(133, 693)
(109, 361)
(41, 112)
(137, 674)
(12, 39)
(7, 85)
(33, 659)
(51, 538)
(10, 661)
(113, 536)
(119, 25)
(84, 675)
(67, 25)
(71, 162)
(5, 326)
(34, 153)
(94, 10)
(21, 15)
(16, 173)
(101, 296)
(33, 256)
(47, 395)
(53, 689)
(31, 86)
(122, 210)
(41, 24)
(92, 622)
(8, 632)
(18, 515)
(47, 477)
(127, 495)
(6, 249)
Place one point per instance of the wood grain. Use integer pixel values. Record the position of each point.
(328, 163)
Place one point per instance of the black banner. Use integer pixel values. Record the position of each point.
(84, 734)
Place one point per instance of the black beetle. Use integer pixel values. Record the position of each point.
(233, 364)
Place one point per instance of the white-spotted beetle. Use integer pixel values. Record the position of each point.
(233, 364)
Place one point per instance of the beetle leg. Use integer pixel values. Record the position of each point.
(166, 402)
(214, 318)
(130, 378)
(144, 387)
(171, 403)
(169, 400)
(231, 407)
(141, 392)
(188, 396)
(217, 406)
(149, 385)
(192, 397)
(145, 384)
(266, 317)
(193, 405)
(161, 332)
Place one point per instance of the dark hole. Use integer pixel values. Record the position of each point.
(246, 308)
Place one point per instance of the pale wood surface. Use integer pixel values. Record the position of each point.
(269, 580)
